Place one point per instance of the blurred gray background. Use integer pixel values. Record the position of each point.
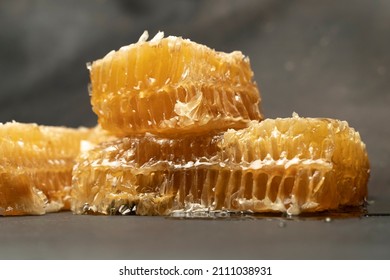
(319, 59)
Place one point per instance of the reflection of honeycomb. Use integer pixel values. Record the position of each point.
(171, 86)
(35, 167)
(290, 165)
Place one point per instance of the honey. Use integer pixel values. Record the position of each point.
(180, 131)
(171, 87)
(291, 165)
(36, 166)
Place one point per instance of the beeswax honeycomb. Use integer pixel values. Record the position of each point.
(35, 166)
(288, 165)
(170, 87)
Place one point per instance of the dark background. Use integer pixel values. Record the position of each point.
(319, 59)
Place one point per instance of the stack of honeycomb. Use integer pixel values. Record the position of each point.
(180, 130)
(191, 138)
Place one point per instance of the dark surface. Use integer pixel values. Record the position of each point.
(66, 236)
(328, 59)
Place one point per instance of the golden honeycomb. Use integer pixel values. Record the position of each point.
(290, 165)
(36, 165)
(172, 86)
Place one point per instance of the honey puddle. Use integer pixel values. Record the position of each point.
(326, 216)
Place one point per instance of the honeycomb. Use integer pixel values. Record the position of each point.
(179, 132)
(172, 86)
(35, 166)
(290, 165)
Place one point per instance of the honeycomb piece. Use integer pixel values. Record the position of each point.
(305, 164)
(35, 166)
(288, 165)
(117, 173)
(171, 86)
